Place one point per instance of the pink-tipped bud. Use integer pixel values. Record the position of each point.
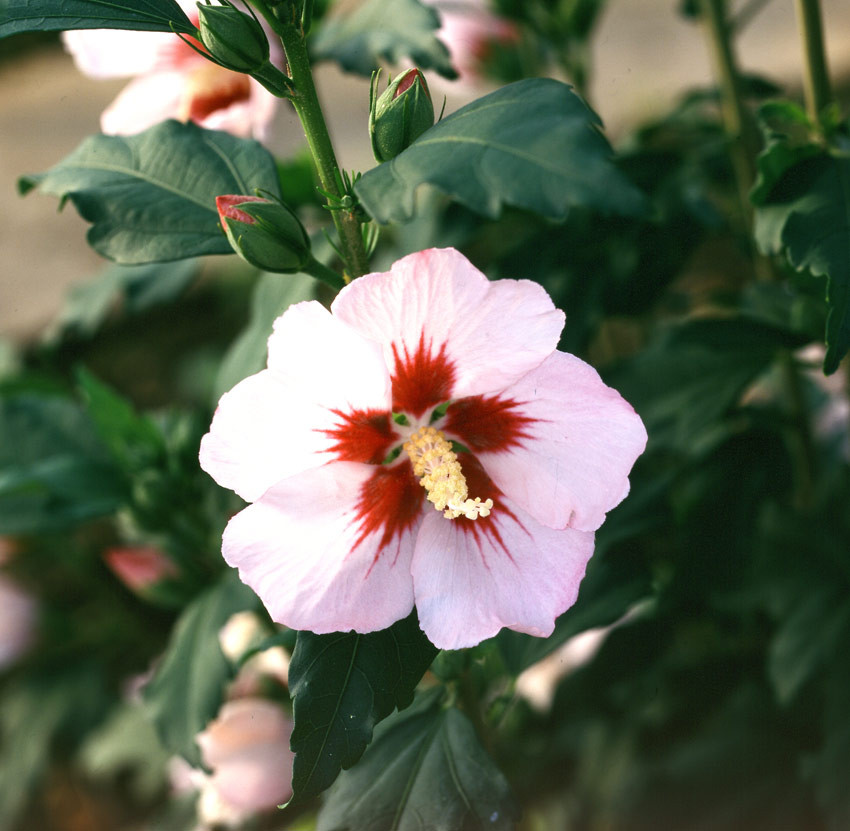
(400, 114)
(264, 233)
(140, 568)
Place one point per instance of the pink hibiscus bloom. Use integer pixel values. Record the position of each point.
(362, 506)
(172, 81)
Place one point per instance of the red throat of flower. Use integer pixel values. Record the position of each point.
(211, 88)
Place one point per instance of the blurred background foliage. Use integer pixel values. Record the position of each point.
(716, 696)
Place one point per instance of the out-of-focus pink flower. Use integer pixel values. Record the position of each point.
(139, 567)
(171, 81)
(471, 32)
(425, 384)
(247, 750)
(242, 632)
(17, 621)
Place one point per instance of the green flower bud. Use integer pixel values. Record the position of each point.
(400, 114)
(264, 233)
(235, 39)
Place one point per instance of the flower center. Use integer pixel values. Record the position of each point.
(434, 460)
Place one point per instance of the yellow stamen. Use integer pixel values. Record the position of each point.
(434, 460)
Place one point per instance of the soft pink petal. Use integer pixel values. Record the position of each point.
(272, 425)
(491, 333)
(145, 101)
(247, 748)
(318, 560)
(509, 571)
(582, 440)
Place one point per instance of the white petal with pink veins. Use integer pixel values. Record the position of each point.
(302, 549)
(583, 439)
(493, 332)
(508, 572)
(270, 425)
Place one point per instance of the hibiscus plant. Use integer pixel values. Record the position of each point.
(376, 546)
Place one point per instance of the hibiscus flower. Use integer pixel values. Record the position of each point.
(421, 442)
(172, 81)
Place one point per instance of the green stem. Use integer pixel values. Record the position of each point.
(323, 273)
(743, 146)
(306, 103)
(740, 131)
(816, 85)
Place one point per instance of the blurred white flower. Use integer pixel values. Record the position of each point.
(171, 80)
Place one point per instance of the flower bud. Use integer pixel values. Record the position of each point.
(140, 567)
(400, 114)
(235, 39)
(264, 233)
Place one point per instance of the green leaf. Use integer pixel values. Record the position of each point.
(342, 685)
(136, 288)
(533, 144)
(55, 15)
(383, 31)
(425, 769)
(188, 687)
(51, 16)
(807, 216)
(816, 629)
(693, 374)
(53, 470)
(133, 440)
(788, 140)
(151, 197)
(273, 295)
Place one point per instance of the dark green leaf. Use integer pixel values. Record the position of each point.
(133, 439)
(273, 295)
(533, 144)
(383, 31)
(55, 15)
(53, 470)
(788, 140)
(425, 769)
(342, 685)
(693, 374)
(816, 629)
(807, 216)
(136, 288)
(187, 689)
(151, 197)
